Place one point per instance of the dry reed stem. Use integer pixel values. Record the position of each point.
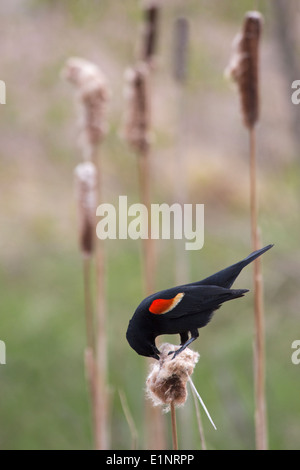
(144, 175)
(259, 329)
(129, 419)
(89, 363)
(199, 421)
(181, 36)
(253, 190)
(155, 422)
(137, 132)
(85, 179)
(89, 313)
(244, 69)
(102, 401)
(174, 426)
(92, 95)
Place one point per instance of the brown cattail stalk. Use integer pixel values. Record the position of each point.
(180, 191)
(244, 69)
(199, 421)
(90, 373)
(174, 426)
(102, 408)
(92, 96)
(86, 181)
(180, 52)
(137, 134)
(137, 131)
(129, 419)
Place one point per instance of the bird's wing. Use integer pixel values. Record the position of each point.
(192, 299)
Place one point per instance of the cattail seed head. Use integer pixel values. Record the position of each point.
(92, 96)
(244, 66)
(181, 37)
(137, 118)
(86, 184)
(168, 378)
(150, 31)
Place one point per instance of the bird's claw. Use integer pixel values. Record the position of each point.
(175, 353)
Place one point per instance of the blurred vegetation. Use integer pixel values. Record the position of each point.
(44, 401)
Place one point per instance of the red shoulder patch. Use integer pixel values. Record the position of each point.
(161, 306)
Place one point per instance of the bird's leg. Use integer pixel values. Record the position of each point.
(184, 337)
(194, 335)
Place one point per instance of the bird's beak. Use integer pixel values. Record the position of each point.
(156, 352)
(155, 356)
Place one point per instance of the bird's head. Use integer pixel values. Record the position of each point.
(140, 336)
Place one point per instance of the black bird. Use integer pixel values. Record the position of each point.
(184, 309)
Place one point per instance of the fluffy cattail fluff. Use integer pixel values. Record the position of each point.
(244, 67)
(86, 184)
(137, 118)
(92, 96)
(168, 378)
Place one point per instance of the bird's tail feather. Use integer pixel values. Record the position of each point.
(255, 255)
(230, 294)
(226, 277)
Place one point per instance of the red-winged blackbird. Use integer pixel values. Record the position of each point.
(183, 309)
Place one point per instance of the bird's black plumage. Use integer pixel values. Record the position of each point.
(184, 309)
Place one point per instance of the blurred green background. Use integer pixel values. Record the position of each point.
(44, 401)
